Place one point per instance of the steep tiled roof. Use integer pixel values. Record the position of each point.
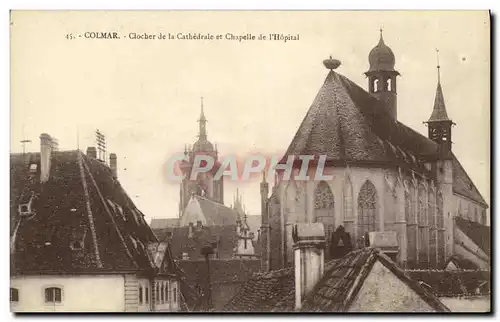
(224, 236)
(234, 272)
(463, 185)
(347, 124)
(344, 277)
(265, 292)
(454, 283)
(161, 223)
(275, 291)
(81, 202)
(479, 234)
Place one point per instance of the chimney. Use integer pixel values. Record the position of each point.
(92, 152)
(45, 154)
(113, 165)
(309, 247)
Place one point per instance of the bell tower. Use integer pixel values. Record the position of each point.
(439, 124)
(382, 76)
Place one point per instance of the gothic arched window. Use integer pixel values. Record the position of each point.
(376, 85)
(348, 213)
(367, 209)
(324, 207)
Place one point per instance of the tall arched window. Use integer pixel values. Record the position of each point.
(367, 209)
(376, 85)
(423, 243)
(324, 207)
(440, 224)
(348, 213)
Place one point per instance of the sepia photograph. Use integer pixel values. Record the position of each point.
(171, 161)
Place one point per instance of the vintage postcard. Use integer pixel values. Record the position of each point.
(250, 161)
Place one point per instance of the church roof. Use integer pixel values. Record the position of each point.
(479, 234)
(274, 291)
(349, 125)
(112, 231)
(183, 242)
(216, 213)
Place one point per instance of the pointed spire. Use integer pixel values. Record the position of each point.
(439, 111)
(202, 115)
(203, 129)
(381, 40)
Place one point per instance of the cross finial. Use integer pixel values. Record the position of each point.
(438, 66)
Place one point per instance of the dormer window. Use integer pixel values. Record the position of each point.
(24, 208)
(33, 167)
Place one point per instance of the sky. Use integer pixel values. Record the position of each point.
(144, 95)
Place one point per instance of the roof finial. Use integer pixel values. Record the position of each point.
(331, 63)
(381, 35)
(438, 66)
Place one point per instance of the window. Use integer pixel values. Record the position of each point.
(147, 295)
(157, 293)
(53, 295)
(14, 294)
(175, 294)
(162, 292)
(167, 289)
(33, 167)
(367, 209)
(324, 207)
(140, 295)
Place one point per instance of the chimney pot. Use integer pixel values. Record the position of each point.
(113, 164)
(45, 156)
(92, 152)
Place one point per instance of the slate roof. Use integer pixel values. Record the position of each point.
(275, 291)
(264, 292)
(463, 185)
(41, 241)
(224, 236)
(216, 213)
(479, 234)
(454, 283)
(349, 125)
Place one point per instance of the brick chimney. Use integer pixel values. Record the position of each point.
(92, 152)
(45, 156)
(113, 165)
(309, 247)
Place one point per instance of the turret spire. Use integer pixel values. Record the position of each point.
(203, 122)
(438, 66)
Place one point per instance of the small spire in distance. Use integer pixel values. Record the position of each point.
(438, 66)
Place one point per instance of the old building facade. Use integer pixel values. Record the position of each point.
(78, 243)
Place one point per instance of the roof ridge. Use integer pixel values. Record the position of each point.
(109, 213)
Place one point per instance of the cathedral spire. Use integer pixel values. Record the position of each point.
(203, 124)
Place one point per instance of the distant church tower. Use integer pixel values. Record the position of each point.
(204, 185)
(382, 75)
